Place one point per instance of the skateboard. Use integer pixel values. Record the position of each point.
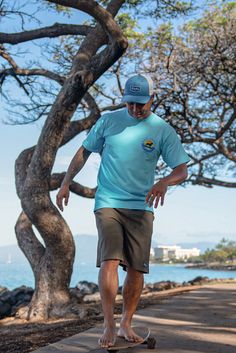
(143, 332)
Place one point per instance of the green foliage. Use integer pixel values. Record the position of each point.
(223, 252)
(129, 27)
(216, 16)
(156, 9)
(164, 33)
(173, 8)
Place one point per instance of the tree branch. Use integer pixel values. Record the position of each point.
(228, 124)
(76, 188)
(84, 124)
(202, 159)
(32, 72)
(5, 55)
(225, 151)
(56, 30)
(208, 182)
(16, 70)
(103, 16)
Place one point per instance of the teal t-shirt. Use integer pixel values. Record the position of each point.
(130, 149)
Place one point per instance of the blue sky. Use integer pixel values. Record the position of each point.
(190, 214)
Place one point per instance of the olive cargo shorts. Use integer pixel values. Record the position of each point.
(124, 235)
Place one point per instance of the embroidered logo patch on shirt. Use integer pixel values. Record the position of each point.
(148, 145)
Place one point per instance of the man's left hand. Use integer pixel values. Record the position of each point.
(157, 193)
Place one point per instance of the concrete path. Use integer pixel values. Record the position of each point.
(200, 321)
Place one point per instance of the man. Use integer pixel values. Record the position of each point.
(130, 142)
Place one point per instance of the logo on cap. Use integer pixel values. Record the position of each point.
(134, 88)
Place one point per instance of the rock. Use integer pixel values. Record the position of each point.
(11, 301)
(160, 286)
(87, 287)
(22, 312)
(3, 289)
(186, 284)
(17, 308)
(89, 298)
(80, 313)
(22, 291)
(7, 297)
(76, 295)
(5, 309)
(199, 280)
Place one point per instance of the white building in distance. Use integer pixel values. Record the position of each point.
(170, 252)
(152, 252)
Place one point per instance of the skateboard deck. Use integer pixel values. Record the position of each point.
(121, 343)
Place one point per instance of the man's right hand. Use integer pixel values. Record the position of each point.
(63, 194)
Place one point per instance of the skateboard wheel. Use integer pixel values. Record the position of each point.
(151, 343)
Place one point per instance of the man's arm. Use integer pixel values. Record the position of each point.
(158, 191)
(75, 166)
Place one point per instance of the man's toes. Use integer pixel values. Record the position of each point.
(133, 339)
(100, 341)
(104, 343)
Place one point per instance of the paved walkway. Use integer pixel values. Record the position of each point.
(200, 321)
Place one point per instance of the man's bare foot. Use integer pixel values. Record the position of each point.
(129, 334)
(108, 338)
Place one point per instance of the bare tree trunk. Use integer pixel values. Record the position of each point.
(51, 265)
(52, 262)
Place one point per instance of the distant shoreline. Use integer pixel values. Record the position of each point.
(214, 266)
(205, 266)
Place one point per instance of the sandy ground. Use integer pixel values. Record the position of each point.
(198, 321)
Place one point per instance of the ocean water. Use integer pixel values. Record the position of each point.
(14, 275)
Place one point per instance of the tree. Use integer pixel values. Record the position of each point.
(52, 262)
(194, 71)
(195, 75)
(223, 251)
(228, 247)
(57, 102)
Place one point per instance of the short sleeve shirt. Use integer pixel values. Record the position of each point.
(130, 149)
